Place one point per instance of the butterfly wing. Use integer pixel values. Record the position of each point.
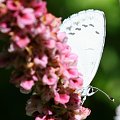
(86, 37)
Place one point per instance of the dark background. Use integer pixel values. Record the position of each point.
(12, 102)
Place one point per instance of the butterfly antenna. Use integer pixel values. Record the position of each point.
(110, 98)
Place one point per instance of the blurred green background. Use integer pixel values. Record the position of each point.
(12, 102)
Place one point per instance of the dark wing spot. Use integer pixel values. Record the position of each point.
(91, 25)
(71, 33)
(97, 32)
(69, 28)
(85, 25)
(77, 28)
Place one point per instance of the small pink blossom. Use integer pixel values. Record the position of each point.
(20, 41)
(64, 49)
(50, 43)
(74, 102)
(55, 24)
(49, 18)
(76, 83)
(71, 59)
(13, 5)
(4, 28)
(39, 118)
(42, 61)
(71, 73)
(46, 34)
(61, 98)
(50, 79)
(40, 29)
(39, 8)
(34, 78)
(83, 113)
(25, 17)
(3, 9)
(44, 118)
(61, 36)
(27, 84)
(52, 21)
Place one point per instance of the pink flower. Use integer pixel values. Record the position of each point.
(42, 62)
(2, 1)
(71, 59)
(74, 102)
(61, 36)
(73, 72)
(20, 41)
(70, 73)
(13, 5)
(49, 18)
(34, 78)
(39, 118)
(63, 49)
(61, 98)
(50, 79)
(44, 118)
(50, 43)
(76, 83)
(27, 84)
(40, 29)
(39, 8)
(3, 9)
(25, 17)
(4, 28)
(82, 113)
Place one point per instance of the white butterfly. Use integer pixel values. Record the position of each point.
(86, 32)
(117, 117)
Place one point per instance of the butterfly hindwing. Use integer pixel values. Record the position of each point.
(86, 37)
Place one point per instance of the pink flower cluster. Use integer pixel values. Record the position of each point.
(42, 61)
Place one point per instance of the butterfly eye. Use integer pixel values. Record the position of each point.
(91, 91)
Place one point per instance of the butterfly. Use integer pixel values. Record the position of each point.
(86, 33)
(117, 117)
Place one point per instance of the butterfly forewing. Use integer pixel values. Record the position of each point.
(86, 36)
